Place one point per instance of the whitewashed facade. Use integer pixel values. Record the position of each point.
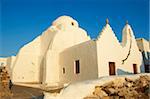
(65, 53)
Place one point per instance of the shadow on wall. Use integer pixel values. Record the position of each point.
(146, 57)
(146, 60)
(142, 68)
(122, 72)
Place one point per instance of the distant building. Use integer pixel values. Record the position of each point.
(8, 63)
(65, 53)
(144, 47)
(3, 63)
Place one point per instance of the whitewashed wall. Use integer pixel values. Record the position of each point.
(86, 54)
(67, 35)
(135, 56)
(26, 64)
(38, 60)
(64, 42)
(110, 50)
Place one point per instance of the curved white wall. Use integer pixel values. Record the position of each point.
(68, 35)
(26, 64)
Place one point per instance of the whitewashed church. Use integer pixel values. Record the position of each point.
(65, 53)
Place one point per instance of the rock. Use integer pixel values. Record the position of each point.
(111, 91)
(122, 92)
(91, 97)
(108, 85)
(99, 92)
(127, 84)
(128, 80)
(144, 80)
(124, 88)
(111, 97)
(147, 90)
(106, 97)
(118, 82)
(115, 97)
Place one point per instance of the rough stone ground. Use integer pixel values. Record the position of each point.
(20, 92)
(123, 88)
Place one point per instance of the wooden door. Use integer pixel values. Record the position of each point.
(112, 70)
(134, 68)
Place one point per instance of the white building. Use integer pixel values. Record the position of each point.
(144, 47)
(7, 62)
(65, 53)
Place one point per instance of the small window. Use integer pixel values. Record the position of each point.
(72, 23)
(77, 66)
(64, 70)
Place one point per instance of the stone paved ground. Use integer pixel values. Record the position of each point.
(20, 92)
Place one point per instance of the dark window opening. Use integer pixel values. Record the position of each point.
(72, 23)
(64, 70)
(77, 66)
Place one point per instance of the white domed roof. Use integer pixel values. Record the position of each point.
(65, 21)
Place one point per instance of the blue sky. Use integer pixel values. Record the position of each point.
(23, 20)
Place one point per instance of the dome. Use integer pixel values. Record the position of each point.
(65, 21)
